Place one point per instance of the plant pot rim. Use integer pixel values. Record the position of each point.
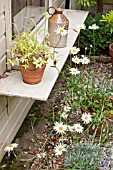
(111, 47)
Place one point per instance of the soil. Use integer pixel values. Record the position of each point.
(34, 130)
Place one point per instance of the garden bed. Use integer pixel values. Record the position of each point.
(62, 132)
(35, 136)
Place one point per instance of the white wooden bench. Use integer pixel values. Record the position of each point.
(13, 84)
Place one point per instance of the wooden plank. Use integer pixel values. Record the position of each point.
(13, 125)
(17, 6)
(14, 86)
(3, 103)
(23, 21)
(13, 104)
(11, 116)
(8, 111)
(62, 5)
(8, 26)
(2, 25)
(57, 3)
(3, 64)
(2, 45)
(1, 6)
(73, 5)
(33, 2)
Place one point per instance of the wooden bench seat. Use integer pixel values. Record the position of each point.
(13, 84)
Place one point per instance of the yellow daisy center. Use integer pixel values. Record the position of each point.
(60, 128)
(74, 51)
(10, 145)
(41, 154)
(76, 60)
(78, 127)
(86, 117)
(75, 71)
(61, 30)
(60, 149)
(84, 61)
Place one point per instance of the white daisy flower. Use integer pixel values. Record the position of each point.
(82, 56)
(64, 115)
(91, 46)
(41, 155)
(94, 27)
(86, 118)
(74, 71)
(60, 30)
(10, 147)
(59, 149)
(70, 128)
(78, 128)
(74, 50)
(85, 60)
(81, 26)
(76, 60)
(60, 127)
(67, 108)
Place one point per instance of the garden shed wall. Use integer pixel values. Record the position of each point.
(13, 110)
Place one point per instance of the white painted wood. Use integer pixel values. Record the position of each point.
(73, 5)
(1, 6)
(3, 104)
(23, 21)
(57, 3)
(62, 5)
(2, 25)
(7, 114)
(14, 86)
(12, 104)
(2, 45)
(8, 26)
(2, 64)
(12, 125)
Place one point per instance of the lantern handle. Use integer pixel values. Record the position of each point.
(51, 8)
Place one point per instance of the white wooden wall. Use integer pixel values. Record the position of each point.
(2, 38)
(13, 110)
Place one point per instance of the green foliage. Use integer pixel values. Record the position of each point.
(90, 93)
(108, 19)
(103, 35)
(26, 44)
(83, 156)
(86, 3)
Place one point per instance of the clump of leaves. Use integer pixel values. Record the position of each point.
(86, 3)
(83, 156)
(103, 35)
(108, 19)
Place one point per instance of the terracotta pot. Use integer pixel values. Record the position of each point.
(32, 76)
(111, 54)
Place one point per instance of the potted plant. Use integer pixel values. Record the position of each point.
(31, 56)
